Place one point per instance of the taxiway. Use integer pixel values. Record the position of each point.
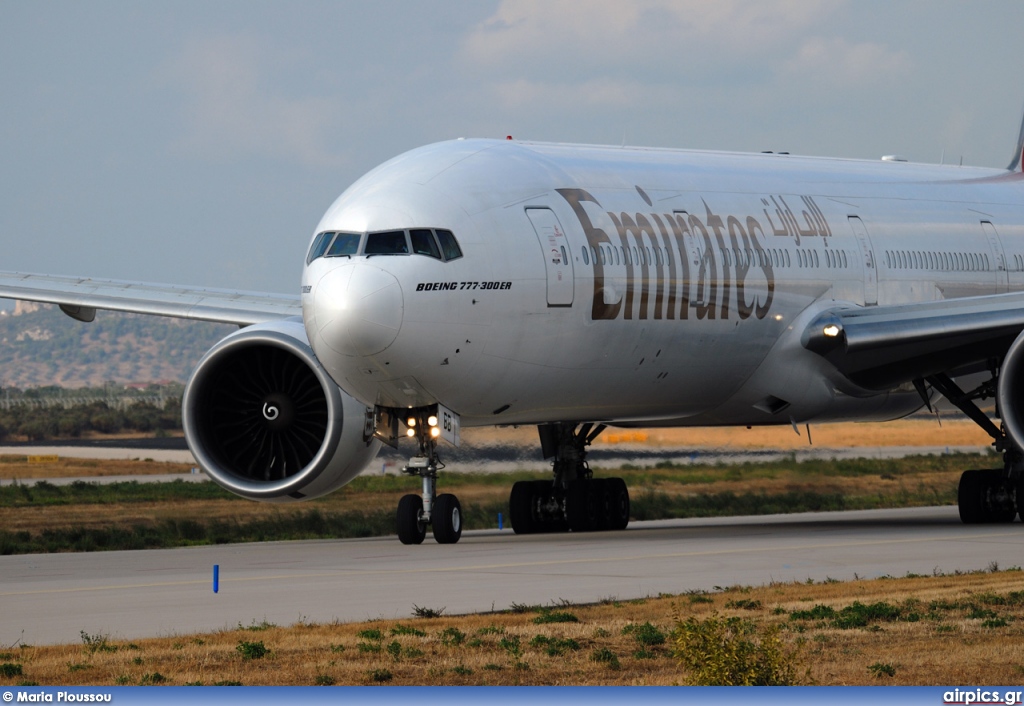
(51, 598)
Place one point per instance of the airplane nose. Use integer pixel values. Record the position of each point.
(358, 309)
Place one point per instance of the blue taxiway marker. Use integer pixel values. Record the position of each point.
(216, 577)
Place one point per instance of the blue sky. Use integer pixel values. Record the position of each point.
(200, 142)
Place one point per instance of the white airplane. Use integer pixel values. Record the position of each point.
(496, 282)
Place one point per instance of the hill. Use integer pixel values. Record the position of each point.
(41, 346)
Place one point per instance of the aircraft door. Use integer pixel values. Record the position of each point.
(999, 265)
(557, 259)
(868, 258)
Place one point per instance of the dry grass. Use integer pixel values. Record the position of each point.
(904, 432)
(18, 466)
(944, 645)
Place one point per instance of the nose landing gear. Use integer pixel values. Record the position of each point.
(442, 512)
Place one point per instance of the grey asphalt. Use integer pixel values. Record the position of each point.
(50, 598)
(106, 480)
(101, 452)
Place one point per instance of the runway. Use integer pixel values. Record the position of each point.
(50, 598)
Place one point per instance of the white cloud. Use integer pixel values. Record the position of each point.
(552, 98)
(232, 111)
(838, 61)
(604, 34)
(654, 68)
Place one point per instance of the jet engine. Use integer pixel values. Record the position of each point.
(265, 420)
(1009, 393)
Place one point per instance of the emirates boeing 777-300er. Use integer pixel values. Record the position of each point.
(495, 282)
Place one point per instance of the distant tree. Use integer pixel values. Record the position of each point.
(38, 429)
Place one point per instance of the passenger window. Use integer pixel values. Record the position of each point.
(344, 244)
(586, 259)
(391, 242)
(423, 243)
(449, 246)
(320, 244)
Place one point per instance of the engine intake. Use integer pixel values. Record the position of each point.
(1008, 394)
(266, 421)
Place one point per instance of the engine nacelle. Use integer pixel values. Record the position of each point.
(1010, 392)
(265, 420)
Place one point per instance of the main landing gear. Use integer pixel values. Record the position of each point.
(573, 500)
(990, 495)
(442, 512)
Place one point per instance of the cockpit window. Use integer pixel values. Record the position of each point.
(423, 243)
(449, 246)
(438, 244)
(320, 244)
(391, 242)
(344, 244)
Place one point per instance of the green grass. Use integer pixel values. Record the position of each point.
(554, 616)
(657, 505)
(252, 650)
(44, 493)
(856, 615)
(9, 670)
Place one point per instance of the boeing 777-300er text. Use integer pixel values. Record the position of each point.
(494, 282)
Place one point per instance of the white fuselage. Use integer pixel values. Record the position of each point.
(643, 286)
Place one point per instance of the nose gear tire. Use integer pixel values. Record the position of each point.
(411, 530)
(447, 519)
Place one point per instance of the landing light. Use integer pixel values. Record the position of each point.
(432, 421)
(832, 330)
(410, 432)
(410, 422)
(435, 432)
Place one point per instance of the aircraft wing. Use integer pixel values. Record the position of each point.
(80, 297)
(881, 346)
